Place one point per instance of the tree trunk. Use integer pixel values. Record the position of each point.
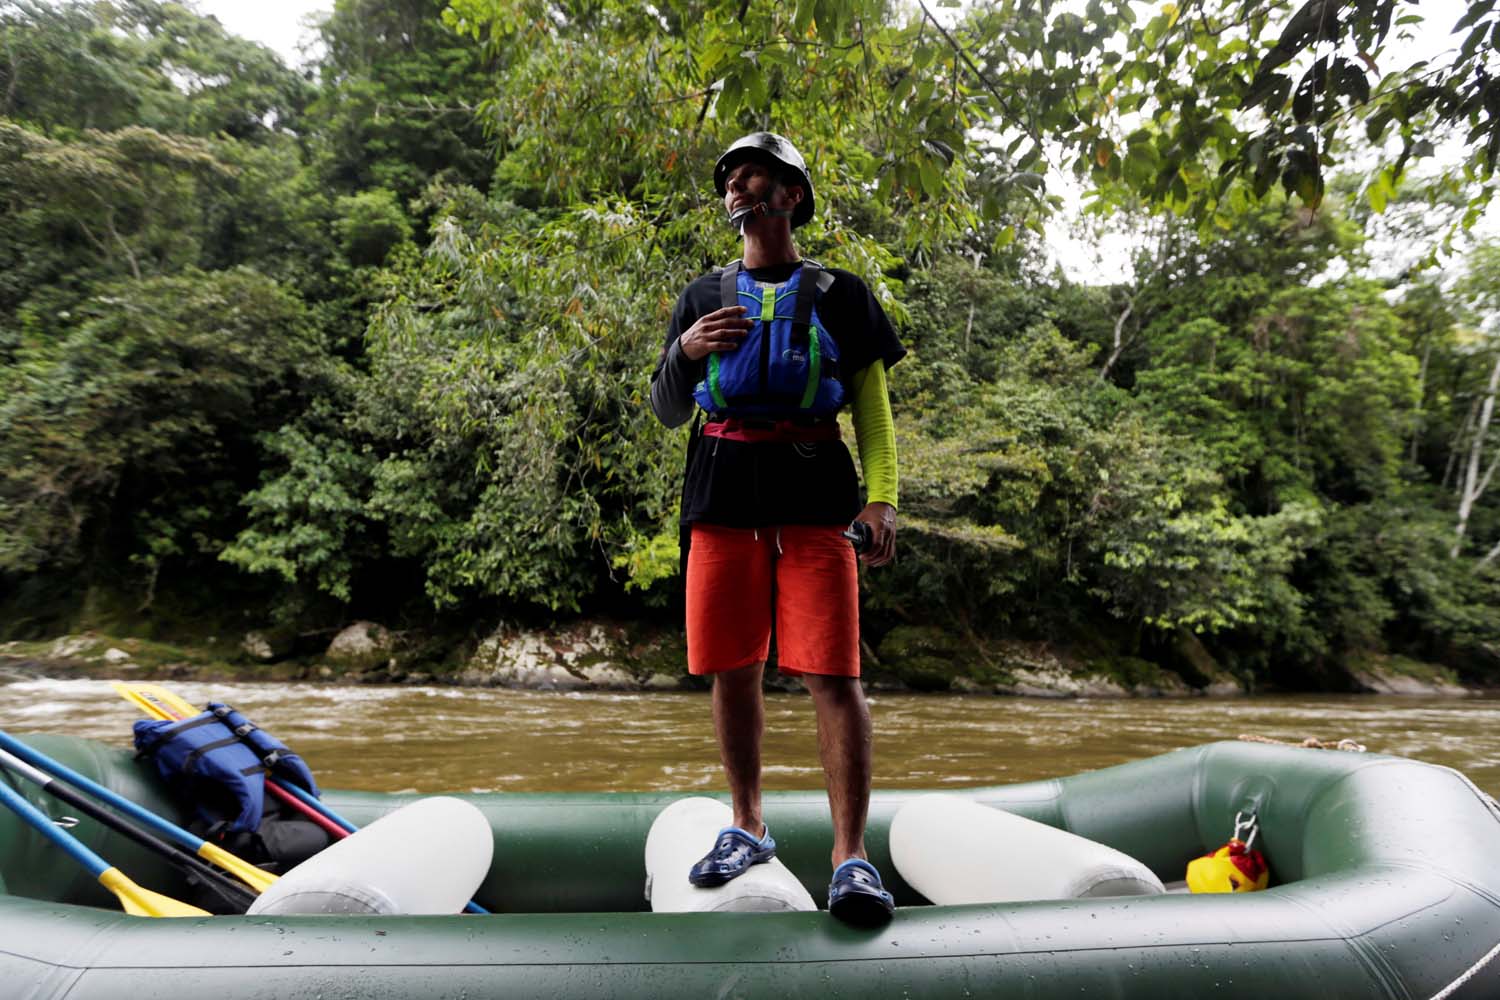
(1473, 486)
(1120, 342)
(1458, 440)
(1416, 430)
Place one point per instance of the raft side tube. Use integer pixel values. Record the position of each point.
(1399, 895)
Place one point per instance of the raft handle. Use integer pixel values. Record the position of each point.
(1245, 829)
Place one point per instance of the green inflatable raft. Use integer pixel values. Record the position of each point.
(1385, 883)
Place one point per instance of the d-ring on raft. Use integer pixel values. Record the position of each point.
(1385, 883)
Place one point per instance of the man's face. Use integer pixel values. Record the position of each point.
(752, 182)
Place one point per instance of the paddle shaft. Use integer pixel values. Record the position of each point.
(275, 787)
(242, 870)
(144, 816)
(43, 824)
(132, 897)
(227, 889)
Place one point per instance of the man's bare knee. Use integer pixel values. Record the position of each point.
(740, 678)
(834, 689)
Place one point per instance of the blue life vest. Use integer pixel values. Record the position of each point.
(787, 365)
(219, 760)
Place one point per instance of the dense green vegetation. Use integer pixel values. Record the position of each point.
(374, 340)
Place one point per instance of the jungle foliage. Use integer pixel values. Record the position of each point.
(375, 337)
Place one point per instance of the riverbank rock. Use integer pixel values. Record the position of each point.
(926, 658)
(361, 645)
(1377, 674)
(562, 659)
(71, 647)
(1036, 670)
(608, 677)
(1192, 660)
(1061, 684)
(267, 645)
(1141, 678)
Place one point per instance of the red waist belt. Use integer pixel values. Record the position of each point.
(737, 429)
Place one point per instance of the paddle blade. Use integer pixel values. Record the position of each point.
(143, 902)
(256, 878)
(155, 700)
(177, 705)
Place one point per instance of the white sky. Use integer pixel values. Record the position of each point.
(278, 24)
(282, 25)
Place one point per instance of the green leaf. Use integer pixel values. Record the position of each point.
(932, 178)
(728, 101)
(755, 86)
(1350, 81)
(1140, 166)
(1472, 43)
(1473, 14)
(1310, 189)
(804, 16)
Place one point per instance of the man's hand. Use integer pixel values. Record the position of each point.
(881, 517)
(720, 330)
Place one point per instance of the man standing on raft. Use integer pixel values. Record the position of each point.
(771, 348)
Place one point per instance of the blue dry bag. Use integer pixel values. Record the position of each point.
(219, 760)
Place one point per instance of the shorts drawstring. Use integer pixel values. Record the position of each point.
(756, 533)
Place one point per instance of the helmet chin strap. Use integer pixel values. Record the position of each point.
(741, 217)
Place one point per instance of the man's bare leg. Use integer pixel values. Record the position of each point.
(844, 744)
(739, 720)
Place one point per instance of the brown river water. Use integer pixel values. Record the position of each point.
(435, 739)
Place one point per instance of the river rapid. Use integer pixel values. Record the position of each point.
(434, 739)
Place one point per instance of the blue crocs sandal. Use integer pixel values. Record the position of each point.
(856, 895)
(733, 854)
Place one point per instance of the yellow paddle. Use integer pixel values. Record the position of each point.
(156, 700)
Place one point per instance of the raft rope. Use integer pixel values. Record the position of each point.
(1311, 743)
(1453, 987)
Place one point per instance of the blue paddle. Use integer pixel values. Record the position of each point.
(254, 877)
(136, 900)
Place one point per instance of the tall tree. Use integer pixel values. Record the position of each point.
(162, 65)
(398, 99)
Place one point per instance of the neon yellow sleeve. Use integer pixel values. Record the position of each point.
(875, 434)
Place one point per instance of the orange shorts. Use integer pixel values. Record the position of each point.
(803, 573)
